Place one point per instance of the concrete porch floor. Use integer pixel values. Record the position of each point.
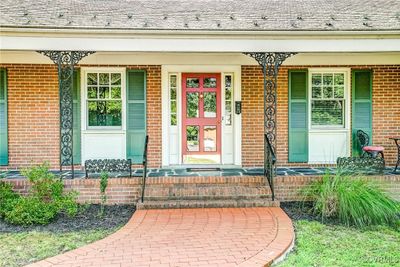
(186, 172)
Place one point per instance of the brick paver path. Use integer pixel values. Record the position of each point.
(189, 237)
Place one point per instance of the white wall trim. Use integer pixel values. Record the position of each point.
(204, 44)
(179, 69)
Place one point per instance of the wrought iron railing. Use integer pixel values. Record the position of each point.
(269, 164)
(144, 166)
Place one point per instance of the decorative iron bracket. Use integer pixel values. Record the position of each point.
(270, 63)
(65, 61)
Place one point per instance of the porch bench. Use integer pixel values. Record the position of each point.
(96, 166)
(361, 165)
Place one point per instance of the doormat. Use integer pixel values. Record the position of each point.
(203, 169)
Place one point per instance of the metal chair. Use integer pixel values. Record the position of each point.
(373, 151)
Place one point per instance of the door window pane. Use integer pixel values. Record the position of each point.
(210, 138)
(192, 138)
(228, 99)
(210, 83)
(173, 100)
(192, 105)
(192, 82)
(210, 105)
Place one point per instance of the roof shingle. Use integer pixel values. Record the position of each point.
(222, 15)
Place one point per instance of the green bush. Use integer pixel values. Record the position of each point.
(103, 187)
(352, 200)
(31, 210)
(46, 199)
(7, 198)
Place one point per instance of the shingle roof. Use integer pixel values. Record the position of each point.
(218, 15)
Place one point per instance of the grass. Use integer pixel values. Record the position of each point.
(321, 245)
(18, 249)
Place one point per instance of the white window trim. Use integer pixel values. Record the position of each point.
(84, 109)
(347, 99)
(166, 70)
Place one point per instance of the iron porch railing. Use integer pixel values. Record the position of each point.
(269, 164)
(144, 166)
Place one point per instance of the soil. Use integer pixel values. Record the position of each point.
(87, 219)
(303, 211)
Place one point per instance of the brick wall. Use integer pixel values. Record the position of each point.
(128, 190)
(386, 112)
(33, 119)
(33, 114)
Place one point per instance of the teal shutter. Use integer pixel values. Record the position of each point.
(362, 106)
(298, 130)
(76, 94)
(3, 118)
(136, 115)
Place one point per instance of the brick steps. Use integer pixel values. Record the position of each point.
(183, 204)
(206, 196)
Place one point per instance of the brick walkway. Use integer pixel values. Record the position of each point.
(189, 237)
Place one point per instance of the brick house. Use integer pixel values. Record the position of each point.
(196, 79)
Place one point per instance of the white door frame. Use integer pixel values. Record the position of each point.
(237, 120)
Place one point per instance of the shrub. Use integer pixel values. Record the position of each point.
(7, 198)
(31, 210)
(46, 199)
(103, 186)
(352, 200)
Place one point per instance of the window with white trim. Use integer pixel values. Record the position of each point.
(104, 99)
(328, 99)
(228, 98)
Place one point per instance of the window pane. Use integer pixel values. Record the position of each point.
(192, 138)
(173, 80)
(192, 83)
(105, 113)
(173, 119)
(328, 92)
(328, 79)
(228, 113)
(339, 92)
(116, 92)
(210, 83)
(92, 92)
(327, 112)
(339, 79)
(113, 111)
(228, 93)
(210, 105)
(228, 81)
(92, 79)
(115, 78)
(192, 105)
(173, 93)
(104, 78)
(173, 106)
(316, 92)
(210, 138)
(104, 92)
(316, 79)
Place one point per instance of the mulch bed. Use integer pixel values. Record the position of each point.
(87, 219)
(302, 211)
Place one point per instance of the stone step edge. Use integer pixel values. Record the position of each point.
(209, 197)
(205, 204)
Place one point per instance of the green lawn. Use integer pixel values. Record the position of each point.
(18, 249)
(318, 244)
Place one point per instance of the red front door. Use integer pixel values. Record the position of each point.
(201, 118)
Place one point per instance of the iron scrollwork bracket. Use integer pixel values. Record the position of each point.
(270, 63)
(65, 61)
